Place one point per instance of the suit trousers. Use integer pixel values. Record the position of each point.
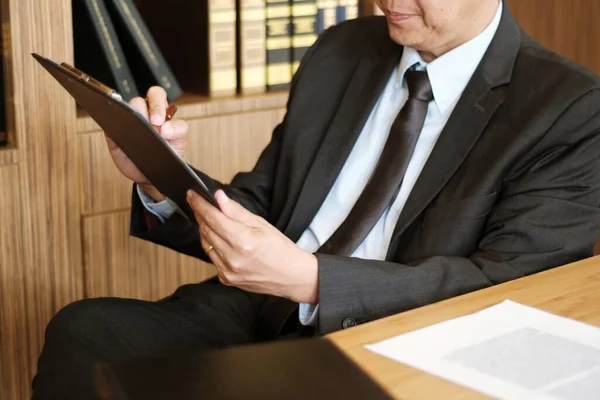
(200, 316)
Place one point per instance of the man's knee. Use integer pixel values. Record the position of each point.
(83, 320)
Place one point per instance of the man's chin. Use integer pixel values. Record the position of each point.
(402, 36)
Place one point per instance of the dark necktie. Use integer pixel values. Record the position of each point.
(377, 195)
(389, 173)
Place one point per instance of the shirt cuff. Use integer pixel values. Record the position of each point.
(308, 314)
(162, 209)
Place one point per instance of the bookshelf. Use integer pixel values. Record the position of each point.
(64, 208)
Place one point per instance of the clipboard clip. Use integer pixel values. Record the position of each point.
(99, 85)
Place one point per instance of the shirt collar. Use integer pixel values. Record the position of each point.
(450, 73)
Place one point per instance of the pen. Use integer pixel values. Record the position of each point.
(171, 111)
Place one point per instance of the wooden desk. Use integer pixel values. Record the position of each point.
(572, 291)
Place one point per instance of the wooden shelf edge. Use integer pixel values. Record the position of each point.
(8, 156)
(195, 107)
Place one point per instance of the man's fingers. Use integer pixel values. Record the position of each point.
(157, 104)
(226, 228)
(174, 130)
(205, 212)
(234, 210)
(210, 238)
(140, 105)
(215, 257)
(198, 204)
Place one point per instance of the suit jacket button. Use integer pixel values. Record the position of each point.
(348, 323)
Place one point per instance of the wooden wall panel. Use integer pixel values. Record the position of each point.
(117, 264)
(219, 146)
(9, 156)
(569, 27)
(42, 130)
(226, 145)
(103, 187)
(14, 363)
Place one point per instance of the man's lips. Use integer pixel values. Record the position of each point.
(397, 16)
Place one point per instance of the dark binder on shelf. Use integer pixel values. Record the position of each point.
(289, 369)
(197, 38)
(279, 44)
(304, 35)
(98, 51)
(146, 60)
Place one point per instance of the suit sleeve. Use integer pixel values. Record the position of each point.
(548, 214)
(251, 189)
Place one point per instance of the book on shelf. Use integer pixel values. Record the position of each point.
(346, 10)
(197, 39)
(304, 25)
(98, 51)
(147, 63)
(326, 15)
(278, 44)
(251, 45)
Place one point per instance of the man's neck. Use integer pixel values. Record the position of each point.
(481, 19)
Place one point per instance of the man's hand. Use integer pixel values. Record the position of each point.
(251, 254)
(154, 109)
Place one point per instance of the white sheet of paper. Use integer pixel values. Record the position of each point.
(507, 351)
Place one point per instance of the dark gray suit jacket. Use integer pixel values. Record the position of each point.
(511, 188)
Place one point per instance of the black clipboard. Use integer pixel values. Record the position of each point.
(133, 134)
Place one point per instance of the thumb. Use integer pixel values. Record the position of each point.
(234, 210)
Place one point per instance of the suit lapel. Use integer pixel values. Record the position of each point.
(368, 80)
(470, 117)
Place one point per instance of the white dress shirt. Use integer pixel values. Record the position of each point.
(449, 76)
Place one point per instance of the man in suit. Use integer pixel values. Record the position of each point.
(425, 154)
